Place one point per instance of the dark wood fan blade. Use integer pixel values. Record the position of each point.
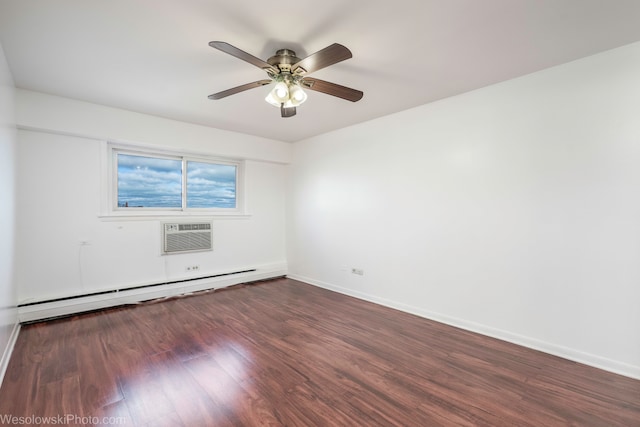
(323, 58)
(287, 111)
(332, 89)
(241, 54)
(237, 89)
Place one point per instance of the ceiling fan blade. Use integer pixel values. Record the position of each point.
(241, 54)
(287, 111)
(323, 58)
(238, 89)
(332, 89)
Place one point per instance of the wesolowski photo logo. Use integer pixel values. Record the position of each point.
(66, 419)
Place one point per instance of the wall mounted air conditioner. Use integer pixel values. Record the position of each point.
(181, 237)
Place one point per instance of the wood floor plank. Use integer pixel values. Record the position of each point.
(143, 394)
(98, 387)
(63, 398)
(190, 402)
(226, 393)
(281, 352)
(116, 413)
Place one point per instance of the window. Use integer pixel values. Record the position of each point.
(149, 182)
(146, 181)
(211, 185)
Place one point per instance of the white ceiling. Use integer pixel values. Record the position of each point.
(152, 56)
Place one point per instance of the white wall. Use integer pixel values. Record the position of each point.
(513, 210)
(60, 194)
(39, 111)
(8, 294)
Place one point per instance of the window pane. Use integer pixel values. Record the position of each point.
(149, 182)
(211, 185)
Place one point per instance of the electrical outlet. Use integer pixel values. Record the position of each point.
(357, 271)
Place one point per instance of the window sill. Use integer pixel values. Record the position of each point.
(142, 216)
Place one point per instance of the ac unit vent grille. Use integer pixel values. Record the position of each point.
(199, 226)
(186, 237)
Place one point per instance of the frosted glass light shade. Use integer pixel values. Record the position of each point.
(289, 94)
(280, 92)
(297, 95)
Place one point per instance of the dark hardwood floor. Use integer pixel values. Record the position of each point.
(282, 352)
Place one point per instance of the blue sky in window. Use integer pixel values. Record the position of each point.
(211, 185)
(157, 183)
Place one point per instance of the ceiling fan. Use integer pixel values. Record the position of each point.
(289, 73)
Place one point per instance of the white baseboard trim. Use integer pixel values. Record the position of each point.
(8, 350)
(593, 360)
(48, 310)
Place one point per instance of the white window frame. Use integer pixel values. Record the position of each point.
(110, 208)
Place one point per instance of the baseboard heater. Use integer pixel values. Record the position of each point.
(114, 291)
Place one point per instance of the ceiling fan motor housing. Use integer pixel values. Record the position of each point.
(284, 59)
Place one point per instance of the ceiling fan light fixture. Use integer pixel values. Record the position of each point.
(281, 91)
(297, 95)
(288, 93)
(271, 100)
